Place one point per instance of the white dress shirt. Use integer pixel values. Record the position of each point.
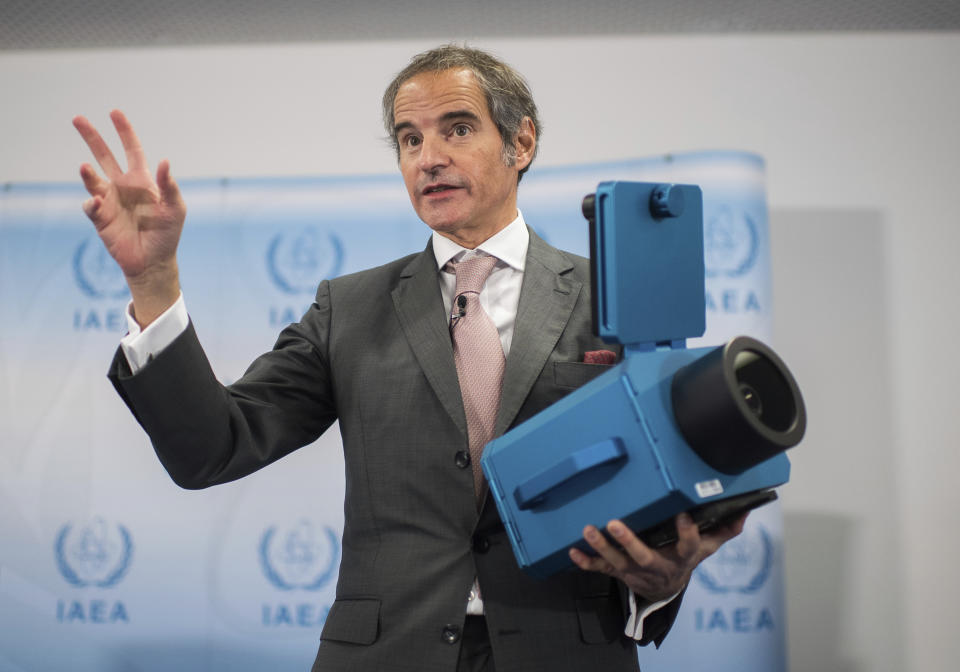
(501, 292)
(500, 297)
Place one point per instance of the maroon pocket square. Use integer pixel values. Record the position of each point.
(607, 357)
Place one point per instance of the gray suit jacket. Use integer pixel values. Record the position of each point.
(374, 351)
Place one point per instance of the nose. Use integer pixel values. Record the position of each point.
(433, 154)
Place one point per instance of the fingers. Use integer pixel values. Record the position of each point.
(91, 181)
(598, 563)
(640, 553)
(590, 563)
(98, 210)
(131, 143)
(169, 191)
(643, 570)
(91, 208)
(98, 147)
(688, 537)
(609, 559)
(635, 556)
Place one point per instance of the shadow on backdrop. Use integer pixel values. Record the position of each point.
(843, 559)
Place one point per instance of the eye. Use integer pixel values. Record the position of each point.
(461, 130)
(410, 141)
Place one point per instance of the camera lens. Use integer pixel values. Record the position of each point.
(738, 405)
(758, 379)
(753, 400)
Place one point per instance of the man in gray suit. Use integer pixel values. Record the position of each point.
(427, 578)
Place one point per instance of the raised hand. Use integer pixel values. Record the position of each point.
(653, 574)
(139, 218)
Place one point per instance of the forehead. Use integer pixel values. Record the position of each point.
(432, 94)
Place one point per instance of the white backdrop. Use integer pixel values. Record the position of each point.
(111, 557)
(846, 123)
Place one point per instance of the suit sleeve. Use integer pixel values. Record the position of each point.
(205, 433)
(657, 624)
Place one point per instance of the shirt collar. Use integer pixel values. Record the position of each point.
(509, 245)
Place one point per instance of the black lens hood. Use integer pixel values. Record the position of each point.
(738, 405)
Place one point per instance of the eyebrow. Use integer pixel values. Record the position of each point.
(459, 114)
(447, 116)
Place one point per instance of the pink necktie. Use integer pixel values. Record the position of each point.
(478, 355)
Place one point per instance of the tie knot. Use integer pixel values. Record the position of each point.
(472, 273)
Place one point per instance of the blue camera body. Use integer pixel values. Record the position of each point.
(666, 430)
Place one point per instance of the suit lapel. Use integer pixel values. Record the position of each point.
(420, 309)
(546, 301)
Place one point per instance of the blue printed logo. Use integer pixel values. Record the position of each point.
(731, 243)
(96, 273)
(301, 557)
(742, 565)
(297, 262)
(96, 554)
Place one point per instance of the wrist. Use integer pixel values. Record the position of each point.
(154, 291)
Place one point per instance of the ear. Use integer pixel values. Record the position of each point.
(526, 143)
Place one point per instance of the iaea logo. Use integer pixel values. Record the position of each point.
(742, 565)
(731, 243)
(96, 554)
(297, 262)
(300, 557)
(96, 273)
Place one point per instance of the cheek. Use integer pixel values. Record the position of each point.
(499, 179)
(490, 166)
(409, 180)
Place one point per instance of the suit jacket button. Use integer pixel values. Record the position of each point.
(451, 633)
(462, 459)
(481, 544)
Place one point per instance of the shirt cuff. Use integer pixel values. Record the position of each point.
(639, 610)
(141, 346)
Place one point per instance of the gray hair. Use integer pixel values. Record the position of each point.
(507, 93)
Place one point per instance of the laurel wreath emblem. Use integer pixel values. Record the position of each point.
(748, 260)
(281, 279)
(84, 283)
(756, 581)
(112, 579)
(322, 579)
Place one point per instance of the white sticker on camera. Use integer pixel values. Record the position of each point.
(709, 488)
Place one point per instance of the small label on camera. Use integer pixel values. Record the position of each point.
(709, 488)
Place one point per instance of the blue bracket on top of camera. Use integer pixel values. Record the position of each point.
(668, 429)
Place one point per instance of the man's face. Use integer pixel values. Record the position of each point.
(451, 156)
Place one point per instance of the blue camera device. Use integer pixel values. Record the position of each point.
(666, 430)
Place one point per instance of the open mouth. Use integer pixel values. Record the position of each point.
(438, 188)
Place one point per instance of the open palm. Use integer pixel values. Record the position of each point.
(139, 218)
